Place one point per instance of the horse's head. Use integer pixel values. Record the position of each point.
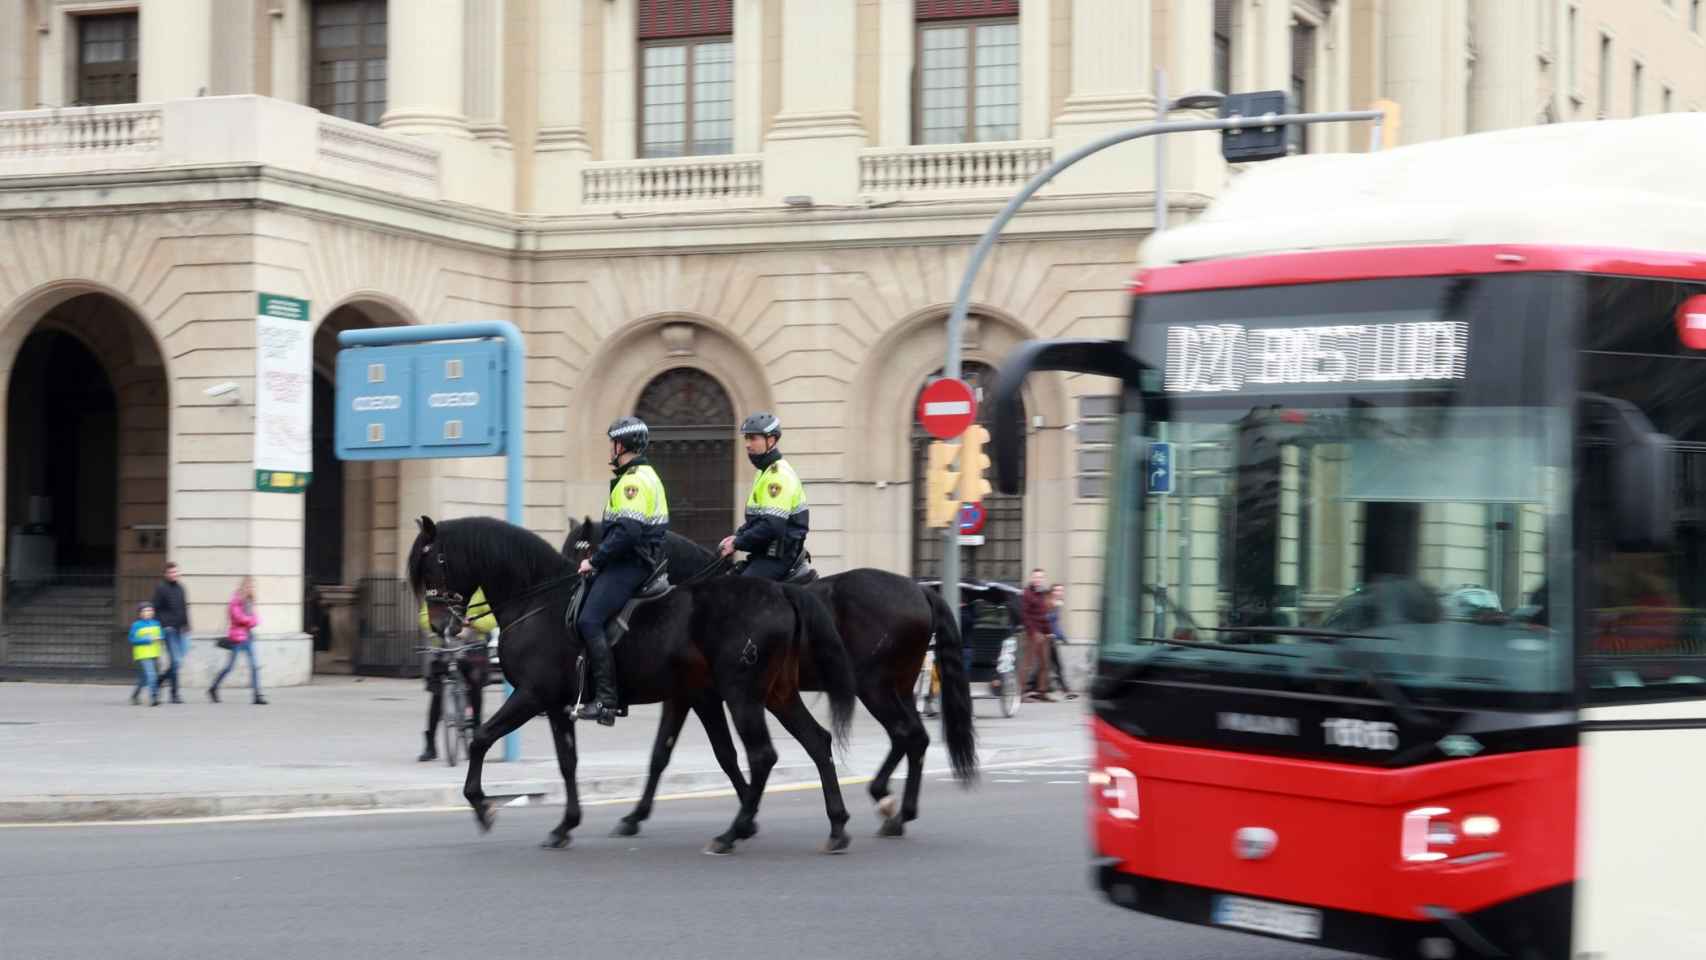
(433, 581)
(583, 538)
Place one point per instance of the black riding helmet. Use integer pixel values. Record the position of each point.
(761, 424)
(631, 433)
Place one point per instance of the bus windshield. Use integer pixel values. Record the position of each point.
(1365, 476)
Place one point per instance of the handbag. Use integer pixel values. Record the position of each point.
(226, 644)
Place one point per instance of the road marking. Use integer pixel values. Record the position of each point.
(463, 808)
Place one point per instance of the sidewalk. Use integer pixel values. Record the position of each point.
(81, 752)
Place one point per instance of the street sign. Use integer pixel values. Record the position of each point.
(1691, 322)
(946, 408)
(971, 518)
(1160, 468)
(417, 401)
(971, 540)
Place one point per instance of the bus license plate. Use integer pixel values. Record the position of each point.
(1299, 923)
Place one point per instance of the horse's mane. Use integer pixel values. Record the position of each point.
(509, 558)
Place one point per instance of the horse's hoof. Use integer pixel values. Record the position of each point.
(625, 828)
(486, 814)
(837, 844)
(555, 841)
(719, 847)
(892, 827)
(886, 807)
(747, 832)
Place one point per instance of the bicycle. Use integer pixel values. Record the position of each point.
(454, 715)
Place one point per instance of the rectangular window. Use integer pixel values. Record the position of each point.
(106, 59)
(1636, 75)
(1302, 70)
(1223, 45)
(687, 98)
(968, 87)
(348, 59)
(687, 58)
(1604, 76)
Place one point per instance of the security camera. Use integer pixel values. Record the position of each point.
(221, 389)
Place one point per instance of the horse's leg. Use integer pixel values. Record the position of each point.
(916, 736)
(563, 738)
(669, 729)
(760, 757)
(517, 710)
(878, 698)
(798, 720)
(716, 724)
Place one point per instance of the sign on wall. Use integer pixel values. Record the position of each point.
(284, 347)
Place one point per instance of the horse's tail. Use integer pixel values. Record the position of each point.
(956, 689)
(815, 628)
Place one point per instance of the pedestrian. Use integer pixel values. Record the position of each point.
(473, 663)
(173, 611)
(240, 638)
(1033, 612)
(1057, 636)
(145, 651)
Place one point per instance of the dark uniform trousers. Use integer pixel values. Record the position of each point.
(611, 588)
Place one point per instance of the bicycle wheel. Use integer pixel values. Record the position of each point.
(455, 712)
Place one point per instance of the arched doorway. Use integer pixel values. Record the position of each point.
(692, 425)
(86, 406)
(1002, 554)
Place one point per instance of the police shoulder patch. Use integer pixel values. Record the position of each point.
(775, 489)
(630, 491)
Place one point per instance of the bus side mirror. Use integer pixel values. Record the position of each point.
(1643, 465)
(1104, 358)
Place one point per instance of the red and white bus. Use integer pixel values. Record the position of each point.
(1403, 634)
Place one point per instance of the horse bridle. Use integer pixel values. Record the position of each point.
(457, 604)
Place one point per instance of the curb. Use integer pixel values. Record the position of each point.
(110, 809)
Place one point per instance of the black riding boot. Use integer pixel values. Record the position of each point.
(431, 752)
(602, 707)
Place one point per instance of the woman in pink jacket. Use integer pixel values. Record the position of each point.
(240, 638)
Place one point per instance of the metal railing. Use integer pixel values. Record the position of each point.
(388, 630)
(678, 180)
(72, 619)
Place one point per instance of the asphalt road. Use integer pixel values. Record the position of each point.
(998, 872)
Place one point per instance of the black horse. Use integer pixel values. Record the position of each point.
(886, 622)
(698, 646)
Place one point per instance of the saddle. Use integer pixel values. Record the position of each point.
(802, 572)
(655, 587)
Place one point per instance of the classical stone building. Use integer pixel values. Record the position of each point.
(693, 209)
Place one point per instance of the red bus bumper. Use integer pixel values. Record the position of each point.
(1477, 854)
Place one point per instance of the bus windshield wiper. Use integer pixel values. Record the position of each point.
(1384, 687)
(1105, 686)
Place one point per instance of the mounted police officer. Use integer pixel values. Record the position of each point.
(774, 534)
(636, 517)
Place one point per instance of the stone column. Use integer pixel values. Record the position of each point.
(484, 65)
(1419, 39)
(1194, 165)
(1111, 79)
(16, 29)
(894, 72)
(749, 76)
(621, 89)
(424, 42)
(560, 149)
(175, 50)
(1504, 87)
(1035, 68)
(813, 146)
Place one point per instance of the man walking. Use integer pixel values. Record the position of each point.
(172, 610)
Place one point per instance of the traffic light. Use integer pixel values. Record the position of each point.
(940, 506)
(973, 462)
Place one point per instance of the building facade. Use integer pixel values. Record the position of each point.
(693, 209)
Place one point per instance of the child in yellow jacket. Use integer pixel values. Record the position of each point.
(145, 636)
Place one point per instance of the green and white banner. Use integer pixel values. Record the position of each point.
(284, 410)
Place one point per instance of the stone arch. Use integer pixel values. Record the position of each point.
(87, 526)
(630, 360)
(886, 389)
(350, 523)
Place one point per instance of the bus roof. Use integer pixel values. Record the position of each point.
(1629, 184)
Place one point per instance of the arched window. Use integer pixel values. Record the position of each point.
(692, 424)
(1002, 553)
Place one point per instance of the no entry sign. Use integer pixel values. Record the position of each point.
(971, 518)
(947, 408)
